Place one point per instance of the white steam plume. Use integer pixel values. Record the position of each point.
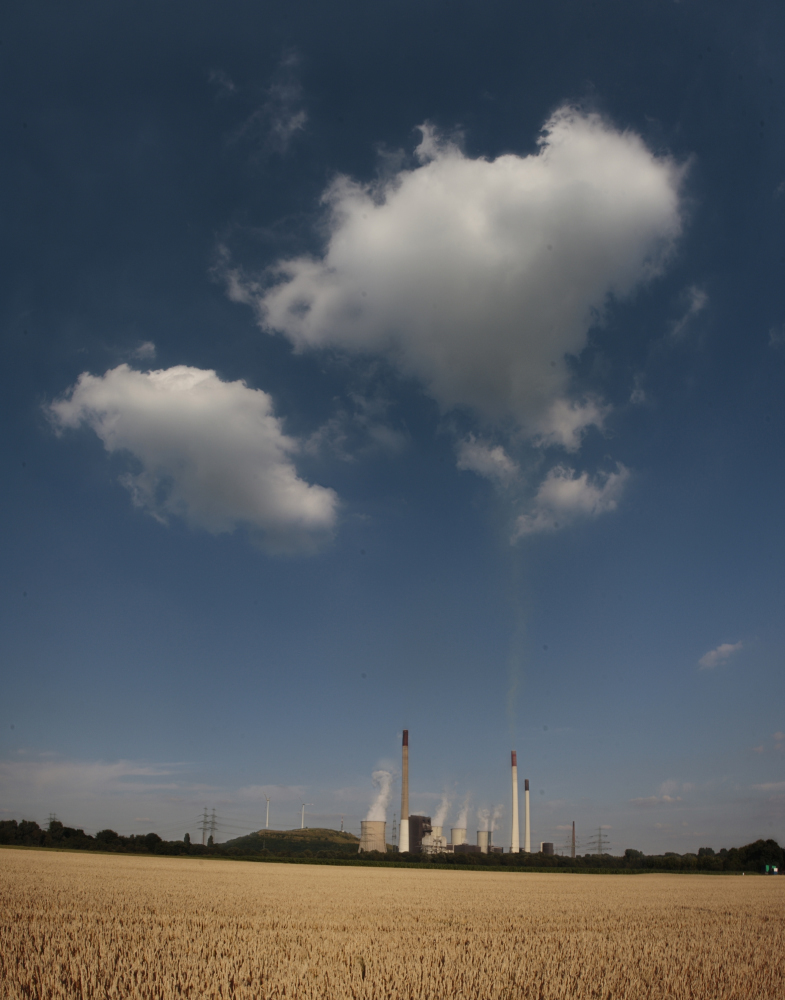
(441, 812)
(383, 781)
(498, 810)
(483, 818)
(463, 816)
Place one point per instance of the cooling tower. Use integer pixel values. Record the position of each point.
(436, 831)
(458, 835)
(515, 835)
(483, 840)
(372, 835)
(403, 839)
(527, 833)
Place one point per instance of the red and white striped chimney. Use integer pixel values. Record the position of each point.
(403, 836)
(515, 835)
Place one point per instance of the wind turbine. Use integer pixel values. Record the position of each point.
(267, 821)
(302, 819)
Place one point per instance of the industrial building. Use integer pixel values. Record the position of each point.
(417, 834)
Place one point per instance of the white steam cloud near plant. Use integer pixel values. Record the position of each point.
(463, 815)
(442, 810)
(382, 781)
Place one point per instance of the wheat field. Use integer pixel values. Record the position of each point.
(92, 926)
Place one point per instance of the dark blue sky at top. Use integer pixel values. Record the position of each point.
(136, 144)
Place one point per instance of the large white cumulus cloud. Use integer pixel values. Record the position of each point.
(478, 276)
(210, 451)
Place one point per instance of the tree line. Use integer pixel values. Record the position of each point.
(751, 857)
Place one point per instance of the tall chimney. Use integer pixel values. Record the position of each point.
(403, 837)
(572, 850)
(527, 833)
(515, 837)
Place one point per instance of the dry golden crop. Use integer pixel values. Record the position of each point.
(91, 926)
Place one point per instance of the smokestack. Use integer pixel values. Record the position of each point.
(527, 832)
(515, 836)
(572, 850)
(403, 838)
(373, 835)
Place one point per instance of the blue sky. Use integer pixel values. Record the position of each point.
(373, 367)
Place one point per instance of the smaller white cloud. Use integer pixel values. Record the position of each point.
(778, 744)
(771, 786)
(716, 656)
(144, 351)
(670, 793)
(491, 462)
(697, 300)
(209, 451)
(567, 421)
(276, 793)
(565, 496)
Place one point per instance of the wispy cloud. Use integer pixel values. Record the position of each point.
(697, 300)
(226, 86)
(670, 793)
(71, 779)
(718, 655)
(279, 793)
(777, 744)
(777, 336)
(357, 430)
(282, 114)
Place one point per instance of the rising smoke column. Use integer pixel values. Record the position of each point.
(383, 781)
(463, 816)
(441, 812)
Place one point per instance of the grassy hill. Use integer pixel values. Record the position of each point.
(295, 841)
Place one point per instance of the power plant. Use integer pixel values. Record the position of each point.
(418, 834)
